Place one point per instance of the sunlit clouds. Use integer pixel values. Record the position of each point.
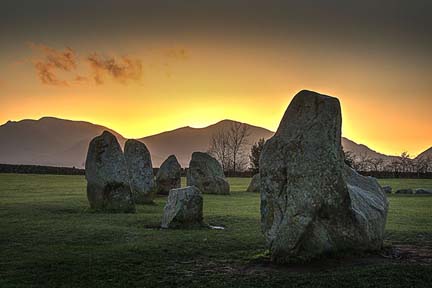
(67, 68)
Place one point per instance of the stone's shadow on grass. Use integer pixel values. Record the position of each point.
(398, 254)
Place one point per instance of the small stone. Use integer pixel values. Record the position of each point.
(421, 191)
(405, 191)
(387, 189)
(254, 185)
(108, 186)
(138, 161)
(168, 176)
(184, 208)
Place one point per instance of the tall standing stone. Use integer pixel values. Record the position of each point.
(107, 177)
(168, 176)
(138, 161)
(311, 202)
(206, 173)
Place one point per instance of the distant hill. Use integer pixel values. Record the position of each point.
(425, 154)
(48, 141)
(364, 151)
(57, 142)
(183, 141)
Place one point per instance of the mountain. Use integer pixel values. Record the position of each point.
(361, 150)
(48, 141)
(425, 154)
(183, 141)
(58, 142)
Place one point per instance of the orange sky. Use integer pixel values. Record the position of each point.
(385, 91)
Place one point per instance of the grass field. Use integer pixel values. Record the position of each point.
(48, 238)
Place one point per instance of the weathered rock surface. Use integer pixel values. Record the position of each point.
(422, 191)
(206, 173)
(140, 169)
(184, 208)
(168, 176)
(107, 177)
(254, 185)
(387, 189)
(405, 191)
(312, 203)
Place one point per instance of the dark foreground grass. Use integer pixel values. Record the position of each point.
(48, 238)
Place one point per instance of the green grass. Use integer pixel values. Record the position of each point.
(48, 238)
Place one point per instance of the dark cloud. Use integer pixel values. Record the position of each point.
(51, 62)
(123, 69)
(47, 75)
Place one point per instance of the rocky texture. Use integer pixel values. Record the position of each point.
(311, 202)
(184, 208)
(138, 161)
(387, 189)
(168, 176)
(405, 191)
(206, 173)
(107, 177)
(422, 191)
(254, 184)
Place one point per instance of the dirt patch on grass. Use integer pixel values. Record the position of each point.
(397, 254)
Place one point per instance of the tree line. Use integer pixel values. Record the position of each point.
(399, 164)
(239, 157)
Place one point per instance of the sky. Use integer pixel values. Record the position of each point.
(143, 67)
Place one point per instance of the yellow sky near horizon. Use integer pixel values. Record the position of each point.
(249, 84)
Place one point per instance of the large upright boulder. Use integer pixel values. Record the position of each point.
(168, 176)
(138, 161)
(107, 177)
(311, 202)
(206, 173)
(184, 208)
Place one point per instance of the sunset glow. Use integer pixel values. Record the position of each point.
(190, 78)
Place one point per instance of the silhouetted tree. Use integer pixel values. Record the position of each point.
(255, 155)
(237, 139)
(219, 148)
(228, 145)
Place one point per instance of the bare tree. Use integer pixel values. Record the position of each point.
(375, 164)
(228, 146)
(220, 149)
(405, 162)
(362, 162)
(420, 165)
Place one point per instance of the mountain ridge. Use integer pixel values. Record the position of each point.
(61, 142)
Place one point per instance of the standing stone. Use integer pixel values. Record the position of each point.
(138, 161)
(168, 176)
(184, 208)
(312, 203)
(107, 177)
(405, 191)
(387, 189)
(206, 173)
(421, 191)
(254, 185)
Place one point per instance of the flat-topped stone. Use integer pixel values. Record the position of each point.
(184, 208)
